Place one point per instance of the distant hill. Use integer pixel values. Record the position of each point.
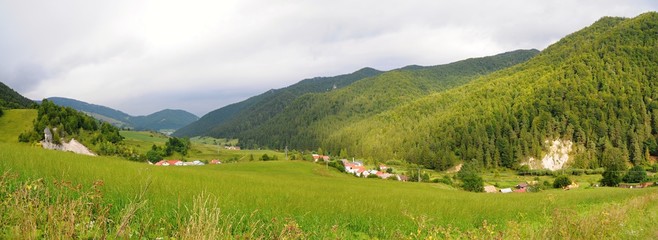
(10, 99)
(165, 119)
(596, 88)
(103, 113)
(304, 122)
(260, 108)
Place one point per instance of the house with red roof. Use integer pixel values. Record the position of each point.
(169, 163)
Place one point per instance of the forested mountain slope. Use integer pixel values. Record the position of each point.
(597, 87)
(110, 115)
(164, 119)
(11, 99)
(312, 117)
(258, 109)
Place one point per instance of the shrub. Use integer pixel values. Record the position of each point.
(611, 178)
(561, 181)
(445, 180)
(473, 183)
(577, 172)
(636, 174)
(338, 165)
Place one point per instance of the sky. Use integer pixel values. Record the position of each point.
(144, 56)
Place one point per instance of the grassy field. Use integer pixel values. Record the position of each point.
(15, 122)
(205, 148)
(290, 199)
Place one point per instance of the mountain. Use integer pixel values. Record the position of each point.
(595, 89)
(166, 119)
(311, 117)
(11, 99)
(103, 113)
(262, 107)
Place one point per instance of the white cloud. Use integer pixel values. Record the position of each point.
(142, 56)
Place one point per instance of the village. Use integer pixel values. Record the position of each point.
(382, 171)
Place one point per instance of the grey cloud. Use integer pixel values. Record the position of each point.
(27, 76)
(202, 55)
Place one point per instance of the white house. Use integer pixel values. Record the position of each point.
(506, 190)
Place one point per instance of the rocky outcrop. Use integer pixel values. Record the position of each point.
(556, 157)
(71, 146)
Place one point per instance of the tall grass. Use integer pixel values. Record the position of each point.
(314, 199)
(36, 209)
(52, 194)
(14, 122)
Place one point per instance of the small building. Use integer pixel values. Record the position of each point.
(506, 190)
(490, 189)
(194, 163)
(383, 167)
(385, 175)
(170, 163)
(402, 178)
(215, 161)
(522, 186)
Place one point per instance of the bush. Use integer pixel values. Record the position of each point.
(561, 181)
(611, 178)
(636, 174)
(337, 165)
(372, 176)
(265, 157)
(154, 155)
(445, 180)
(577, 172)
(473, 183)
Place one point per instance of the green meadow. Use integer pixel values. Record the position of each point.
(288, 199)
(203, 148)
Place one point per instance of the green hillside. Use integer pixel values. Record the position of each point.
(165, 119)
(65, 123)
(10, 99)
(103, 113)
(247, 200)
(596, 87)
(255, 110)
(53, 194)
(312, 117)
(14, 122)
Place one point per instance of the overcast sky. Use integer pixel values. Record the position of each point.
(144, 56)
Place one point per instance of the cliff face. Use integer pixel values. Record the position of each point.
(556, 157)
(72, 146)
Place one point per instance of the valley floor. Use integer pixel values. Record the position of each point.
(288, 199)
